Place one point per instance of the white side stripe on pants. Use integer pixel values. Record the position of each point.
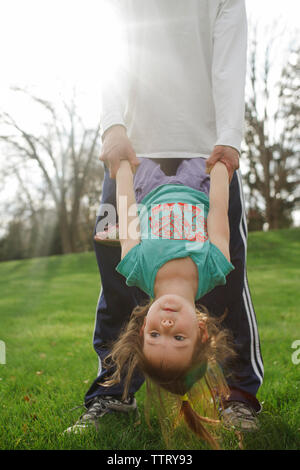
(99, 360)
(256, 359)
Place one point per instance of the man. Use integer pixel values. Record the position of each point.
(180, 94)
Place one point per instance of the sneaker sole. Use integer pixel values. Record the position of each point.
(77, 429)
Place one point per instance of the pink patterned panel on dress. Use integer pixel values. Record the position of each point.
(178, 221)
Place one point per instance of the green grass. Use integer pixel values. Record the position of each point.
(47, 314)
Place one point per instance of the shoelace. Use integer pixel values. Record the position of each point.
(95, 408)
(100, 404)
(83, 405)
(242, 412)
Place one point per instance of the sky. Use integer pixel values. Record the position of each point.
(51, 47)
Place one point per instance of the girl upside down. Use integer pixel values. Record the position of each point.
(174, 236)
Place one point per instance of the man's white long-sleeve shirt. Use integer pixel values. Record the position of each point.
(181, 88)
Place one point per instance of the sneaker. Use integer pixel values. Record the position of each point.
(239, 416)
(99, 407)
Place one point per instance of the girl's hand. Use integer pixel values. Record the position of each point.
(225, 154)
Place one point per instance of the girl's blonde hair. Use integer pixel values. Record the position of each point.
(127, 355)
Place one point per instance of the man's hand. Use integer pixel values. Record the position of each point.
(116, 147)
(225, 154)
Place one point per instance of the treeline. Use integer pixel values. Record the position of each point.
(59, 178)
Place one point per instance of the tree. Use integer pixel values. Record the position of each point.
(273, 172)
(63, 156)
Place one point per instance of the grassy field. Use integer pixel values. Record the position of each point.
(47, 312)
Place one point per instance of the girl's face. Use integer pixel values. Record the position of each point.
(171, 330)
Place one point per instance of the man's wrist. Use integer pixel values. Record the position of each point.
(116, 129)
(229, 146)
(236, 150)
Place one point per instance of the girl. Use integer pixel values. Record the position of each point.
(175, 248)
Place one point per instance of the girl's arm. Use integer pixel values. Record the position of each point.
(129, 228)
(217, 220)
